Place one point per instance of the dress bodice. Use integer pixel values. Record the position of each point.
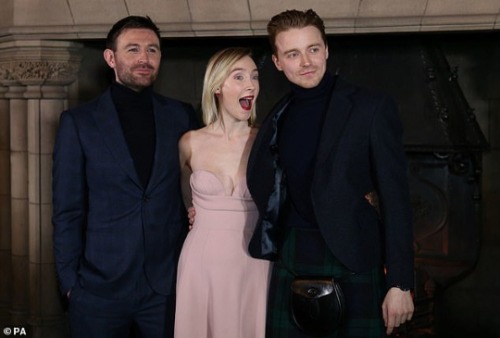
(211, 192)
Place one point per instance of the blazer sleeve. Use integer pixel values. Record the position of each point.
(389, 170)
(69, 201)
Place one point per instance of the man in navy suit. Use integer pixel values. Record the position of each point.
(337, 147)
(118, 216)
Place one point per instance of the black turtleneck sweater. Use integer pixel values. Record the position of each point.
(299, 137)
(135, 111)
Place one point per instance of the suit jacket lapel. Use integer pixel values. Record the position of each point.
(337, 115)
(164, 131)
(261, 145)
(109, 127)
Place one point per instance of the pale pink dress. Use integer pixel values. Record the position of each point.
(221, 290)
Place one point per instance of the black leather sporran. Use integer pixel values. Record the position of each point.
(317, 305)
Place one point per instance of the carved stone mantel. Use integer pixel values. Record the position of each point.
(82, 19)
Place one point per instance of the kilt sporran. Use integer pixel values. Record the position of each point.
(317, 304)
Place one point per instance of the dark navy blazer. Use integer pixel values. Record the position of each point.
(108, 229)
(360, 151)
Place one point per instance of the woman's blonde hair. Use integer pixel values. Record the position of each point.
(218, 69)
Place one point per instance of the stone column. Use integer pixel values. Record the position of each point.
(37, 74)
(5, 256)
(19, 205)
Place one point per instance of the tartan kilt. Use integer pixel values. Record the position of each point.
(304, 252)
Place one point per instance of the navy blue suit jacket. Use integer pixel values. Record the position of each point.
(108, 228)
(360, 151)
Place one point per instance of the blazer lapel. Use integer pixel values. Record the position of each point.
(261, 145)
(109, 127)
(337, 115)
(164, 124)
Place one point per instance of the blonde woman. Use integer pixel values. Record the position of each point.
(221, 290)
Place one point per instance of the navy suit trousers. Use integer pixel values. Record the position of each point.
(143, 314)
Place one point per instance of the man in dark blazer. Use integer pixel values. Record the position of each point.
(118, 216)
(347, 212)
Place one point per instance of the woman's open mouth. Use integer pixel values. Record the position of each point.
(246, 102)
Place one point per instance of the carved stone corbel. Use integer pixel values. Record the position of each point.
(27, 62)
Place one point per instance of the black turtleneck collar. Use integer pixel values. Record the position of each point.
(298, 143)
(136, 115)
(321, 90)
(125, 98)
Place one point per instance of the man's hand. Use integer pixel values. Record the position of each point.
(397, 308)
(191, 214)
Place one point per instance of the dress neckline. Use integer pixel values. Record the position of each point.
(230, 188)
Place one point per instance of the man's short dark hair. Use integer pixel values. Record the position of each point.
(294, 19)
(130, 22)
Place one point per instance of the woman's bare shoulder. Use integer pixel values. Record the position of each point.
(200, 138)
(195, 134)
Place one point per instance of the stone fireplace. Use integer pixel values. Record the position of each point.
(51, 59)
